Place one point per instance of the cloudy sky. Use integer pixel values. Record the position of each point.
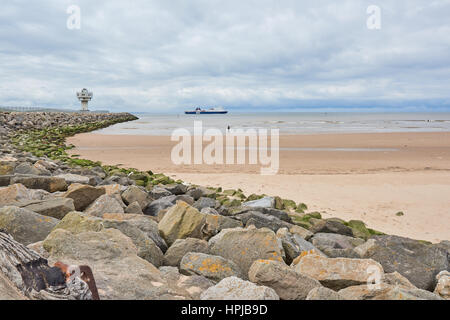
(159, 56)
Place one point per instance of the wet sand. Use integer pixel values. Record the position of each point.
(369, 177)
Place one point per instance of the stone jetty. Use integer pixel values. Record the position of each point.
(145, 236)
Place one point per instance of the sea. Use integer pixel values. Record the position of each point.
(288, 123)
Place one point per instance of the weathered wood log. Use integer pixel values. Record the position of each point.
(32, 275)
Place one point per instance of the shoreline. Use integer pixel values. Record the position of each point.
(371, 186)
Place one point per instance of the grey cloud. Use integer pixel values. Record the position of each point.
(167, 55)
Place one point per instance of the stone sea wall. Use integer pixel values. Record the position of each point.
(146, 236)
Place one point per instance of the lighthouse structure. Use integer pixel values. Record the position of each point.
(84, 96)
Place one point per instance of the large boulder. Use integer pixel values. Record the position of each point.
(180, 222)
(386, 292)
(331, 226)
(50, 184)
(104, 204)
(77, 222)
(56, 208)
(180, 247)
(294, 245)
(244, 246)
(194, 285)
(14, 193)
(212, 267)
(119, 273)
(25, 226)
(261, 220)
(337, 245)
(287, 283)
(156, 206)
(204, 202)
(233, 288)
(216, 223)
(418, 261)
(134, 193)
(338, 273)
(83, 195)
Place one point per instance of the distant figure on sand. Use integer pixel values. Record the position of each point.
(229, 128)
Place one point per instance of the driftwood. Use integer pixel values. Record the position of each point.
(32, 275)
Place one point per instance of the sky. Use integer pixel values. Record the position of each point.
(246, 55)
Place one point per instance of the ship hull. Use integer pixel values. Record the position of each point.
(206, 112)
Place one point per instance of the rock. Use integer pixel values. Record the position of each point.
(385, 292)
(77, 222)
(50, 184)
(180, 222)
(337, 241)
(147, 249)
(26, 168)
(233, 288)
(322, 293)
(287, 283)
(25, 226)
(266, 202)
(159, 192)
(336, 245)
(417, 261)
(135, 194)
(396, 279)
(294, 245)
(119, 273)
(338, 273)
(199, 192)
(8, 290)
(14, 194)
(216, 223)
(155, 207)
(282, 215)
(443, 286)
(189, 200)
(210, 211)
(244, 246)
(176, 189)
(5, 180)
(261, 220)
(359, 229)
(83, 195)
(206, 203)
(113, 189)
(194, 285)
(6, 169)
(104, 204)
(212, 267)
(180, 247)
(73, 178)
(331, 226)
(56, 208)
(302, 232)
(134, 208)
(149, 227)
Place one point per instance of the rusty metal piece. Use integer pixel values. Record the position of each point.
(85, 274)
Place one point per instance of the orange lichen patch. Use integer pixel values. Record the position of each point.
(303, 254)
(213, 267)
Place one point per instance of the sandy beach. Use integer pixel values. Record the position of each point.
(369, 177)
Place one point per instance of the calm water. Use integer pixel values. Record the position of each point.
(288, 123)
